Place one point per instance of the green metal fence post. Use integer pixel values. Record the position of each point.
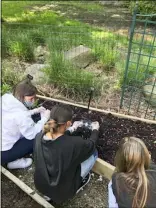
(129, 52)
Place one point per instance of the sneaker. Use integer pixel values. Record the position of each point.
(84, 182)
(20, 163)
(47, 198)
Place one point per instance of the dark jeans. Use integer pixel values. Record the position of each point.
(21, 148)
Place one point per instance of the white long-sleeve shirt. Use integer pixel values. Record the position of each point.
(17, 122)
(111, 198)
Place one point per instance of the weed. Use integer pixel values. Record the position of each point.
(5, 88)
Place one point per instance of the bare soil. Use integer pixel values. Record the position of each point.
(12, 196)
(94, 194)
(113, 129)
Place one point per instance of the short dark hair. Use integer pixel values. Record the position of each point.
(61, 113)
(24, 88)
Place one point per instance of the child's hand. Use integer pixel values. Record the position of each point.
(95, 125)
(40, 109)
(75, 125)
(45, 114)
(37, 110)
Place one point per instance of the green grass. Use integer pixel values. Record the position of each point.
(71, 80)
(9, 78)
(59, 34)
(88, 6)
(137, 73)
(14, 9)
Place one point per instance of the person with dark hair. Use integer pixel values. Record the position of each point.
(18, 127)
(133, 183)
(62, 161)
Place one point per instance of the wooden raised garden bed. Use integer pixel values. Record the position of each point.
(113, 127)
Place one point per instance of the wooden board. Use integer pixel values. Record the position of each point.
(99, 110)
(40, 200)
(103, 168)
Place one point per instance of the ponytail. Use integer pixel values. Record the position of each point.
(51, 126)
(24, 88)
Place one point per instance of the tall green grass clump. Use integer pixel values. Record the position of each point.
(37, 36)
(18, 43)
(21, 42)
(9, 78)
(105, 47)
(106, 53)
(22, 49)
(4, 43)
(70, 79)
(4, 47)
(137, 74)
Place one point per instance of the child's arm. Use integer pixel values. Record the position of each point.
(84, 148)
(111, 198)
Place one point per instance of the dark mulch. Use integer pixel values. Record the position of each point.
(12, 196)
(113, 129)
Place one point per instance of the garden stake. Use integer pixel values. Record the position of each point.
(90, 96)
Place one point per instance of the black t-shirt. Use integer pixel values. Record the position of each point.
(124, 196)
(58, 164)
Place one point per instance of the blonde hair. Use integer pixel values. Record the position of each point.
(59, 115)
(51, 126)
(131, 160)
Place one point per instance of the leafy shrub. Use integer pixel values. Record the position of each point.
(144, 7)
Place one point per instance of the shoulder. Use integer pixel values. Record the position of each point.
(151, 173)
(152, 166)
(76, 141)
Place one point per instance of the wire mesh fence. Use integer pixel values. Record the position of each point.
(139, 88)
(74, 52)
(70, 49)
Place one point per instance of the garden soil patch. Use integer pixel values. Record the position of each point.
(113, 129)
(94, 194)
(12, 196)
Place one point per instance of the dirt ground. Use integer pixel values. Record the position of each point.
(94, 194)
(12, 196)
(113, 129)
(115, 18)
